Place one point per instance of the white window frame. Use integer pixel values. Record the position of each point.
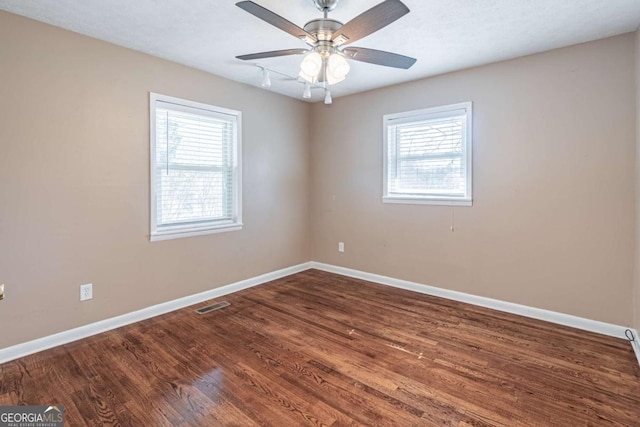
(430, 114)
(190, 230)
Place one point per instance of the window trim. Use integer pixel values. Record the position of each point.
(429, 113)
(202, 229)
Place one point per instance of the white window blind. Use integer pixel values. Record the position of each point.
(195, 168)
(428, 156)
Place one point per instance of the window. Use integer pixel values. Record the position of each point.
(195, 168)
(427, 156)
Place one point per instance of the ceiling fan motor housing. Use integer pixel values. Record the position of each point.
(323, 29)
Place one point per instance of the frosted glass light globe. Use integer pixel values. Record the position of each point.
(311, 64)
(338, 67)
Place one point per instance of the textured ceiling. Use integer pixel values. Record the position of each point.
(443, 35)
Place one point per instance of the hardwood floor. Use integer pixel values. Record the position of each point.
(321, 349)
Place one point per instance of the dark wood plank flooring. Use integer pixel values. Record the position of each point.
(325, 350)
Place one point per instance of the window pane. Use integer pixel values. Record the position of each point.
(444, 175)
(195, 167)
(423, 139)
(192, 140)
(427, 153)
(192, 195)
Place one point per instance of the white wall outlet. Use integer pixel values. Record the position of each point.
(340, 246)
(86, 292)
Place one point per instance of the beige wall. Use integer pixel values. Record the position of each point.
(553, 215)
(636, 281)
(74, 182)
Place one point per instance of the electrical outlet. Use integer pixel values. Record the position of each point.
(340, 246)
(86, 292)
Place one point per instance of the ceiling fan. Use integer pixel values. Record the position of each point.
(324, 61)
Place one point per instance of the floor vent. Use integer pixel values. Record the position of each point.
(217, 306)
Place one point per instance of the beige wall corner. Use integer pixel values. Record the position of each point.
(554, 149)
(74, 182)
(636, 281)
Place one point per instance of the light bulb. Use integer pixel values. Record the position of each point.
(307, 91)
(327, 97)
(338, 67)
(311, 64)
(266, 78)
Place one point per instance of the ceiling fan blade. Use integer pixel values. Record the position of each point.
(272, 54)
(370, 21)
(379, 57)
(275, 20)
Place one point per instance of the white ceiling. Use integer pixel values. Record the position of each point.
(443, 35)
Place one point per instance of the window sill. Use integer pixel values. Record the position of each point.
(427, 201)
(178, 234)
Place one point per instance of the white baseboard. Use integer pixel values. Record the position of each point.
(25, 349)
(35, 346)
(523, 310)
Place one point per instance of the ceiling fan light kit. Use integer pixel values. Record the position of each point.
(325, 61)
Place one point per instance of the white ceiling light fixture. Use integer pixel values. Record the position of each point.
(330, 67)
(327, 97)
(266, 78)
(306, 94)
(338, 67)
(326, 60)
(311, 65)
